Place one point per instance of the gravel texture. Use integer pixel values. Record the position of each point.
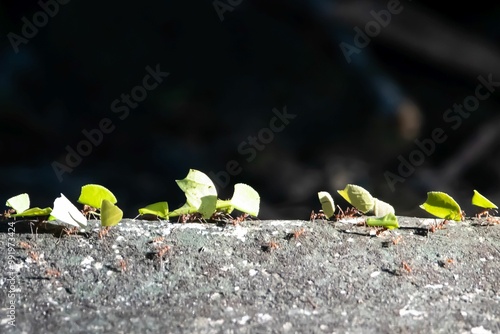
(257, 277)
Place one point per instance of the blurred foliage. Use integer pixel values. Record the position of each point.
(353, 120)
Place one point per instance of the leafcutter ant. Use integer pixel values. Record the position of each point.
(240, 219)
(103, 232)
(397, 240)
(270, 246)
(157, 240)
(89, 211)
(34, 256)
(123, 265)
(297, 233)
(406, 266)
(190, 218)
(7, 213)
(162, 251)
(52, 272)
(350, 212)
(221, 217)
(24, 245)
(445, 263)
(320, 215)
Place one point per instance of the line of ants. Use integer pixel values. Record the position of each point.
(218, 216)
(350, 212)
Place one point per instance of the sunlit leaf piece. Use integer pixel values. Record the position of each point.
(246, 199)
(359, 197)
(34, 212)
(200, 192)
(381, 208)
(66, 212)
(20, 203)
(482, 202)
(224, 206)
(159, 209)
(327, 204)
(111, 215)
(389, 221)
(94, 194)
(183, 210)
(442, 206)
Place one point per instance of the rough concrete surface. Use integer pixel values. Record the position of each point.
(253, 278)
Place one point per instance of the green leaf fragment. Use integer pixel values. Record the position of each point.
(159, 209)
(389, 221)
(246, 199)
(482, 202)
(20, 203)
(94, 194)
(381, 208)
(183, 210)
(34, 212)
(111, 215)
(224, 206)
(327, 204)
(442, 206)
(200, 192)
(358, 197)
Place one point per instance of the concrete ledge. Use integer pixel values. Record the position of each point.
(254, 278)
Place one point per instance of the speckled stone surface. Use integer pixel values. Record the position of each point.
(253, 278)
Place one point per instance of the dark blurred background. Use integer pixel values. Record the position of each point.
(229, 67)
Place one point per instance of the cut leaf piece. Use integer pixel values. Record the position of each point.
(389, 221)
(111, 215)
(381, 208)
(327, 204)
(246, 199)
(442, 206)
(359, 197)
(66, 212)
(224, 206)
(159, 209)
(94, 194)
(200, 192)
(183, 210)
(207, 206)
(482, 202)
(20, 203)
(34, 212)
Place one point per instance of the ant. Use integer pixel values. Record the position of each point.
(157, 240)
(34, 256)
(445, 263)
(298, 233)
(123, 265)
(493, 220)
(221, 216)
(397, 240)
(348, 213)
(240, 219)
(88, 210)
(162, 251)
(190, 217)
(439, 226)
(24, 245)
(270, 246)
(320, 215)
(7, 213)
(52, 272)
(103, 232)
(406, 266)
(485, 213)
